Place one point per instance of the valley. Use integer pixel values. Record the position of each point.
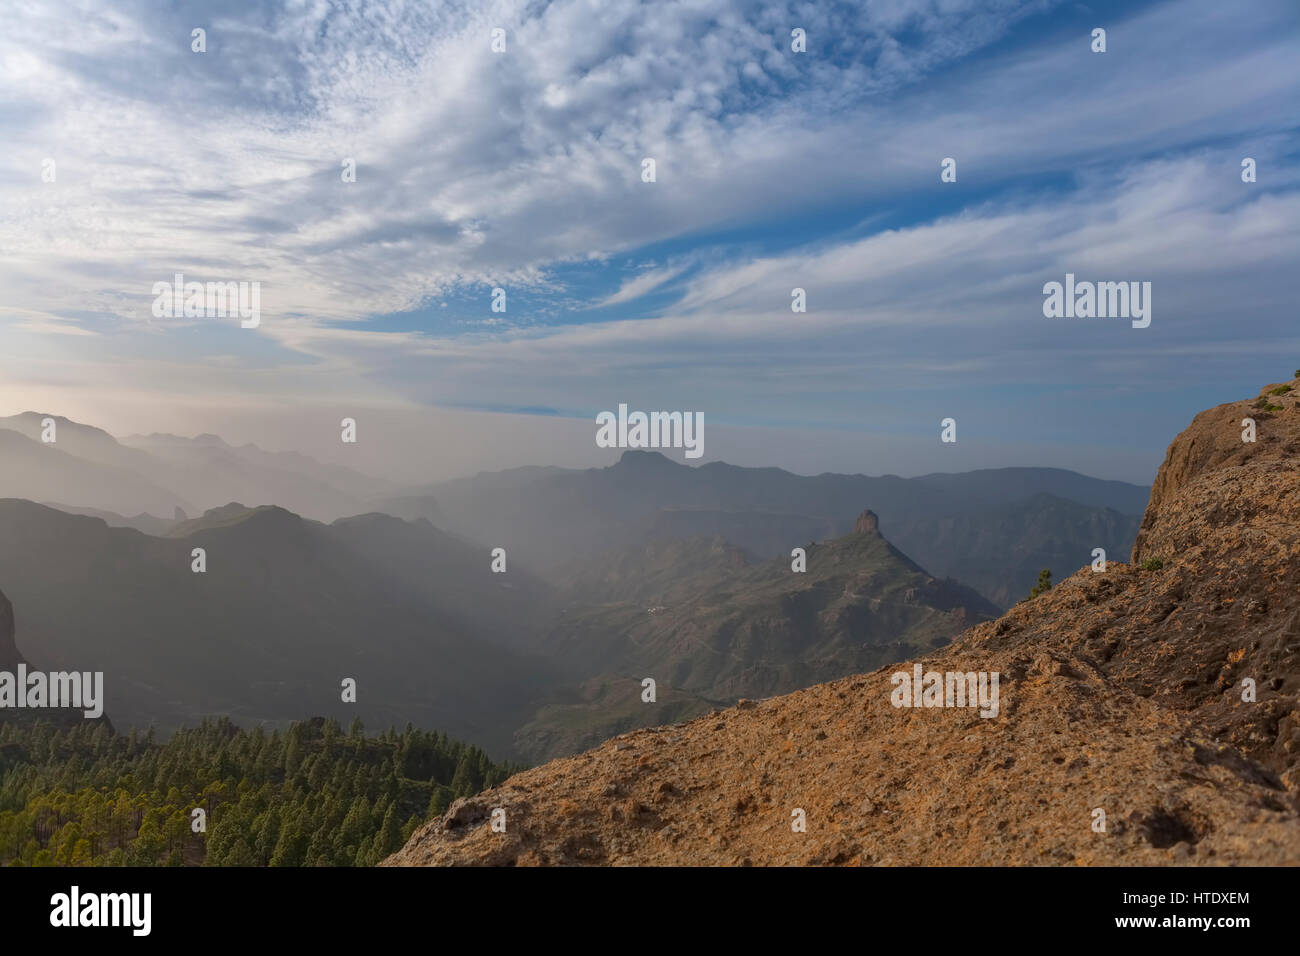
(647, 568)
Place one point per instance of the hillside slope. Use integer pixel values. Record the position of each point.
(711, 627)
(1120, 692)
(286, 609)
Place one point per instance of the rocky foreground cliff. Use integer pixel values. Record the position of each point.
(1147, 714)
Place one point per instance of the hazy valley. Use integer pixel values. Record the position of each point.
(644, 569)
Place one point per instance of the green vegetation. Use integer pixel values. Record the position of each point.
(1280, 390)
(310, 796)
(1044, 584)
(1152, 564)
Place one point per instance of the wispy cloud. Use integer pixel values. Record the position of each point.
(638, 286)
(521, 170)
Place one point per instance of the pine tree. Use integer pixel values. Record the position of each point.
(293, 749)
(438, 802)
(465, 782)
(291, 849)
(240, 855)
(390, 834)
(1044, 583)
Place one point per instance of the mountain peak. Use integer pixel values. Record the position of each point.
(232, 514)
(645, 460)
(867, 523)
(33, 420)
(231, 510)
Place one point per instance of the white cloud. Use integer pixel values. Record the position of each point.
(226, 164)
(477, 170)
(640, 285)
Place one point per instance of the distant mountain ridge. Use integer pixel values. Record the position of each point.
(156, 474)
(40, 472)
(993, 528)
(1013, 520)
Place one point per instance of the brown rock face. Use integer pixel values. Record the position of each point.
(1147, 715)
(1223, 607)
(1210, 456)
(1209, 611)
(867, 523)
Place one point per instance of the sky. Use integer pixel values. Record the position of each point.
(522, 169)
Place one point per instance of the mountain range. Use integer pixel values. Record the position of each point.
(992, 529)
(998, 527)
(644, 569)
(1149, 714)
(85, 467)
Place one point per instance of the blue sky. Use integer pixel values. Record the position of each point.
(775, 170)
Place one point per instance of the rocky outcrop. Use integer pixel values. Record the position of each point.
(1147, 715)
(1209, 611)
(9, 656)
(867, 523)
(1209, 468)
